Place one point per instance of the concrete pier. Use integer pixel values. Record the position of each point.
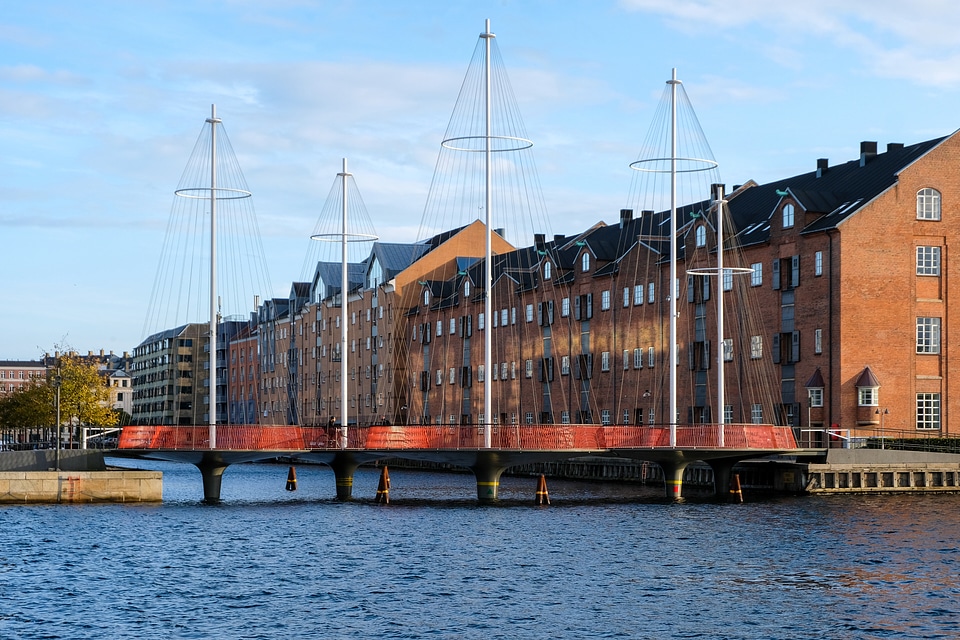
(30, 477)
(882, 471)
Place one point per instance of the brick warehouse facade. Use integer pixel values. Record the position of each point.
(849, 265)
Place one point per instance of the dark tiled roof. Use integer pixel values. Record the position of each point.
(838, 193)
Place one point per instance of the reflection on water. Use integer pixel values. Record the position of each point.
(604, 561)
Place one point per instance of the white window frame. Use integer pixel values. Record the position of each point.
(565, 365)
(928, 412)
(585, 262)
(928, 204)
(928, 335)
(605, 417)
(565, 308)
(868, 396)
(788, 216)
(756, 347)
(637, 295)
(701, 236)
(638, 358)
(815, 397)
(756, 413)
(928, 261)
(818, 341)
(605, 361)
(756, 277)
(528, 310)
(818, 263)
(605, 300)
(727, 346)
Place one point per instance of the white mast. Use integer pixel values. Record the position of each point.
(214, 121)
(718, 199)
(488, 256)
(344, 283)
(672, 284)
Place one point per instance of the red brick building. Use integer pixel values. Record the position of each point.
(837, 314)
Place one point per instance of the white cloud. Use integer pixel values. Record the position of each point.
(919, 43)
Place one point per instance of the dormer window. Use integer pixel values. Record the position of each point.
(787, 216)
(868, 389)
(547, 269)
(585, 261)
(928, 204)
(701, 236)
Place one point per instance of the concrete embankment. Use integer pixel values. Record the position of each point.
(30, 477)
(883, 471)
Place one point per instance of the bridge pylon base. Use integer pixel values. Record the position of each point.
(673, 477)
(488, 480)
(344, 465)
(722, 473)
(211, 470)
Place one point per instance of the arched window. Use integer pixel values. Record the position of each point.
(547, 270)
(701, 236)
(426, 297)
(787, 216)
(466, 288)
(585, 261)
(928, 204)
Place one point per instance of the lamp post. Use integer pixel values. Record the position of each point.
(56, 386)
(883, 414)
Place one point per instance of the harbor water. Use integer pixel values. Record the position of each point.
(603, 561)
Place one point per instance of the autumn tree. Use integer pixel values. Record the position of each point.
(84, 397)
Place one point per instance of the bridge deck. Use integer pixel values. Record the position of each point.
(387, 438)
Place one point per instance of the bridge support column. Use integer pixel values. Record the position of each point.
(488, 480)
(722, 472)
(344, 465)
(212, 473)
(673, 477)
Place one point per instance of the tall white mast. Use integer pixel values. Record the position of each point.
(214, 121)
(672, 284)
(488, 256)
(344, 283)
(718, 199)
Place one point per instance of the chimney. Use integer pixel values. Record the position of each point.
(822, 165)
(101, 353)
(716, 191)
(626, 215)
(558, 239)
(646, 212)
(894, 146)
(538, 241)
(500, 232)
(868, 149)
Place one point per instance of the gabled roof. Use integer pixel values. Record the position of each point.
(332, 275)
(394, 257)
(838, 193)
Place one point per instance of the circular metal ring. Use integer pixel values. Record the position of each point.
(195, 192)
(695, 164)
(712, 271)
(527, 143)
(338, 237)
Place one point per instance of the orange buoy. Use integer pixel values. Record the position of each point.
(542, 496)
(292, 479)
(735, 491)
(383, 488)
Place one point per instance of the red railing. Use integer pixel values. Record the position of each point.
(555, 437)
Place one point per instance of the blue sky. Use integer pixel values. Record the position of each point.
(101, 103)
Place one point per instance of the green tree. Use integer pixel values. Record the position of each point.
(84, 397)
(29, 406)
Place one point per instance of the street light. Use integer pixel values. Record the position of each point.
(883, 414)
(56, 386)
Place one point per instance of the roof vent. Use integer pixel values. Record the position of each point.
(626, 215)
(868, 149)
(894, 146)
(822, 165)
